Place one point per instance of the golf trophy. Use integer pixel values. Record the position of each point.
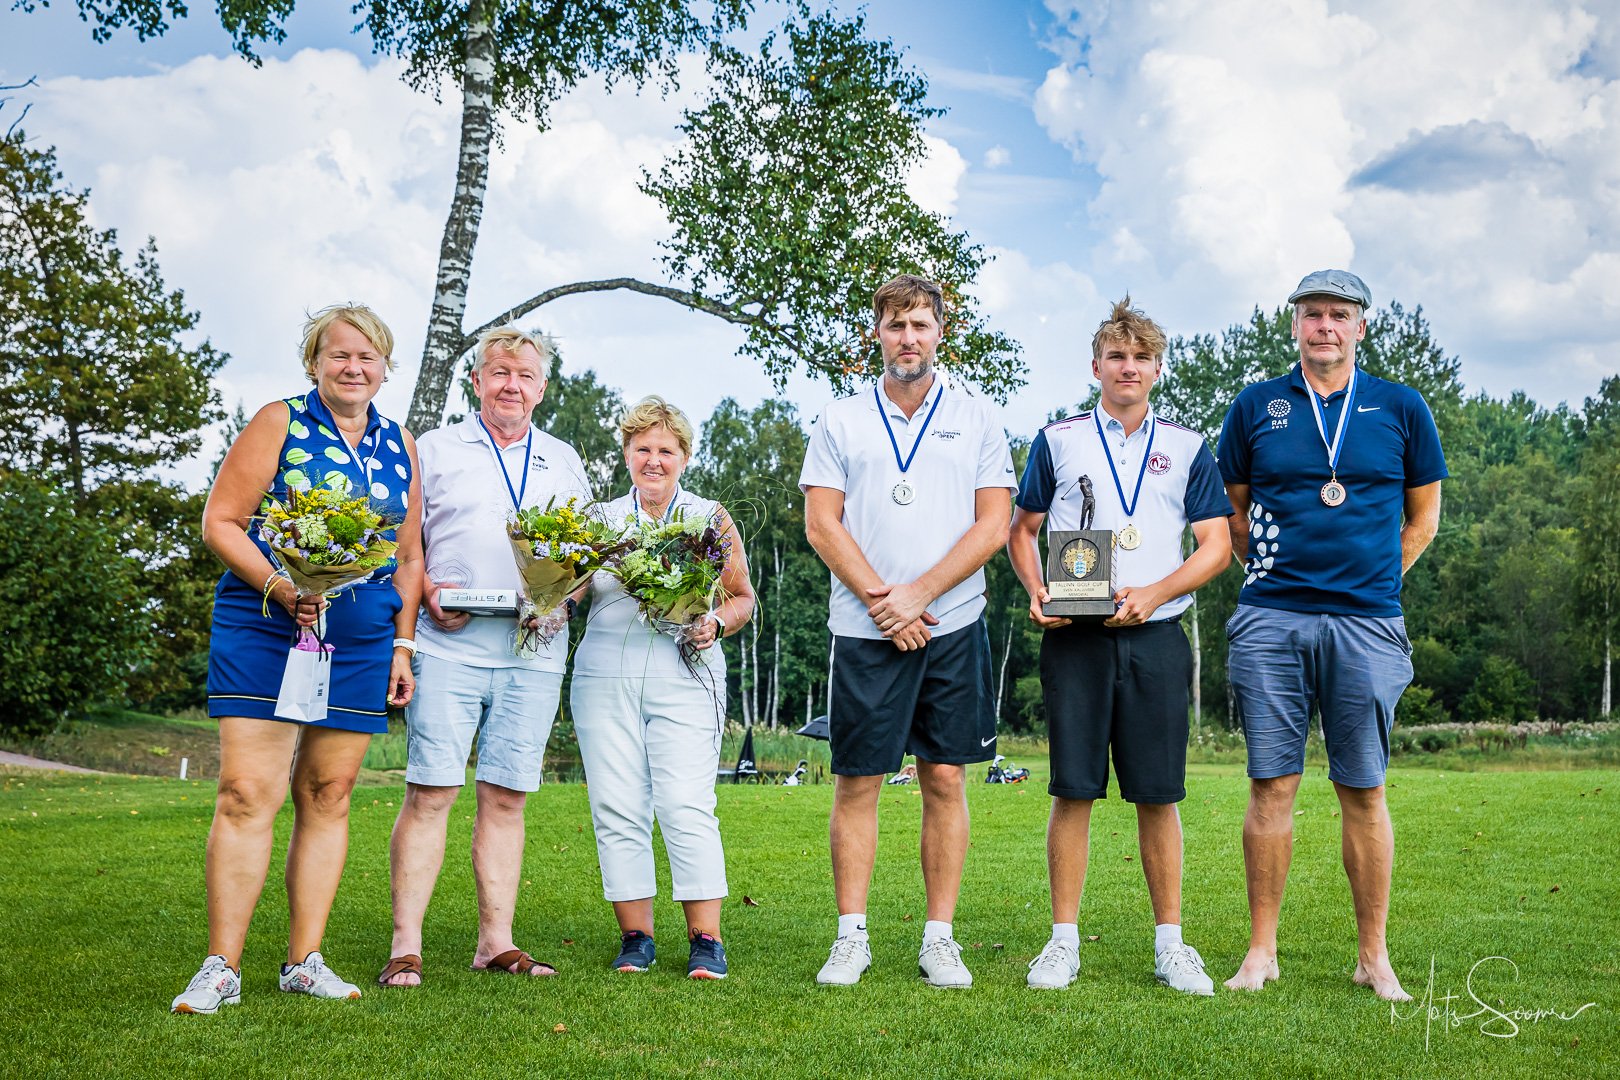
(1080, 567)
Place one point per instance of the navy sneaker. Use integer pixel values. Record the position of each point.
(636, 952)
(708, 958)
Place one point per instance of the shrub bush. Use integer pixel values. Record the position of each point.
(70, 624)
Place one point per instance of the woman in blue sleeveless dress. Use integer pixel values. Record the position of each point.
(331, 436)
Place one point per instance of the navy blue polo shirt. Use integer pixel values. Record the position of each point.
(1307, 556)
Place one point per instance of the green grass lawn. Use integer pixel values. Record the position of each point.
(102, 920)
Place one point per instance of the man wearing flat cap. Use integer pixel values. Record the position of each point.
(1334, 477)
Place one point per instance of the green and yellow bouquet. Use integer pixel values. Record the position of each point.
(557, 549)
(326, 541)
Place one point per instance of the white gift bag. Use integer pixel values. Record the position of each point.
(306, 680)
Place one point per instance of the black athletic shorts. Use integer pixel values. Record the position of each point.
(1124, 688)
(935, 702)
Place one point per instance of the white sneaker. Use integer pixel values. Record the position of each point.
(215, 984)
(1056, 967)
(940, 962)
(849, 957)
(1181, 968)
(314, 978)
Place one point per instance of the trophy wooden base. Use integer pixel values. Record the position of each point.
(1079, 575)
(1079, 610)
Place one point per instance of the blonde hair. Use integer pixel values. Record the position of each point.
(509, 339)
(1126, 323)
(358, 316)
(653, 411)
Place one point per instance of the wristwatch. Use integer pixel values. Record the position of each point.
(719, 623)
(569, 604)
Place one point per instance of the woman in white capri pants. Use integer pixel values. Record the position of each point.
(649, 724)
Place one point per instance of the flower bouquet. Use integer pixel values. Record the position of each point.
(557, 548)
(324, 541)
(672, 571)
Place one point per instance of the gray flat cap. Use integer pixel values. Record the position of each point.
(1340, 283)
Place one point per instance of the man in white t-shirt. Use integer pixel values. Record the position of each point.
(907, 494)
(472, 678)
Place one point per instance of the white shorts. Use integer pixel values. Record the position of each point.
(509, 709)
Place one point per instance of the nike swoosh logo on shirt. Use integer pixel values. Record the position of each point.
(1368, 408)
(986, 742)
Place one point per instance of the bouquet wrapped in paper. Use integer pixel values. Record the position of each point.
(672, 571)
(557, 549)
(323, 541)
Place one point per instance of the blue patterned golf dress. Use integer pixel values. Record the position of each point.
(247, 650)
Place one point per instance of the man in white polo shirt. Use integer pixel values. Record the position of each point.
(1121, 683)
(471, 677)
(907, 490)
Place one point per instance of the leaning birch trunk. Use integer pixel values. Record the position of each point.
(444, 337)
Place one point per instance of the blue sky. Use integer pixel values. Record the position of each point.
(1465, 158)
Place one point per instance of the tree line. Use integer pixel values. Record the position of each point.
(787, 207)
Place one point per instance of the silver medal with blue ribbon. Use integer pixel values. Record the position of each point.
(904, 493)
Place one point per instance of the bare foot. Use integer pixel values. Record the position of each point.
(1381, 978)
(1259, 967)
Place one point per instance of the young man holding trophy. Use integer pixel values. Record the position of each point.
(1117, 487)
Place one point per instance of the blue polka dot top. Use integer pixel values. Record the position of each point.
(314, 453)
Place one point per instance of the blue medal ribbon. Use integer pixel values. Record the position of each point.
(895, 443)
(528, 445)
(1337, 445)
(1108, 454)
(635, 501)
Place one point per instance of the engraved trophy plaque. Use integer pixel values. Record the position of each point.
(1080, 567)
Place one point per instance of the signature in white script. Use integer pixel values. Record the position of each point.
(1500, 1021)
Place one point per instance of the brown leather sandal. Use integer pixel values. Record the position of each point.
(526, 964)
(409, 964)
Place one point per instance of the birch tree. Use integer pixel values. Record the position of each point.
(787, 198)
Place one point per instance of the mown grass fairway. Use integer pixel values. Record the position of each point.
(101, 915)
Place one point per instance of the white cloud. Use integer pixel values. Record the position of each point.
(321, 178)
(932, 180)
(997, 157)
(1052, 310)
(1465, 164)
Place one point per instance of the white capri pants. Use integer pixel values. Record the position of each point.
(651, 748)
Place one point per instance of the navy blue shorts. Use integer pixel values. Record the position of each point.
(935, 702)
(247, 654)
(1123, 689)
(1351, 669)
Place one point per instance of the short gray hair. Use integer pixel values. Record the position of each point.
(509, 339)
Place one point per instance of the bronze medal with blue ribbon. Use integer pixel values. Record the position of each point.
(1333, 493)
(903, 493)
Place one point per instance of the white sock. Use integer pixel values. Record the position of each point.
(853, 925)
(933, 931)
(1066, 931)
(1166, 935)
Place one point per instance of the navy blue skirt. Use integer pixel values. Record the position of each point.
(247, 654)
